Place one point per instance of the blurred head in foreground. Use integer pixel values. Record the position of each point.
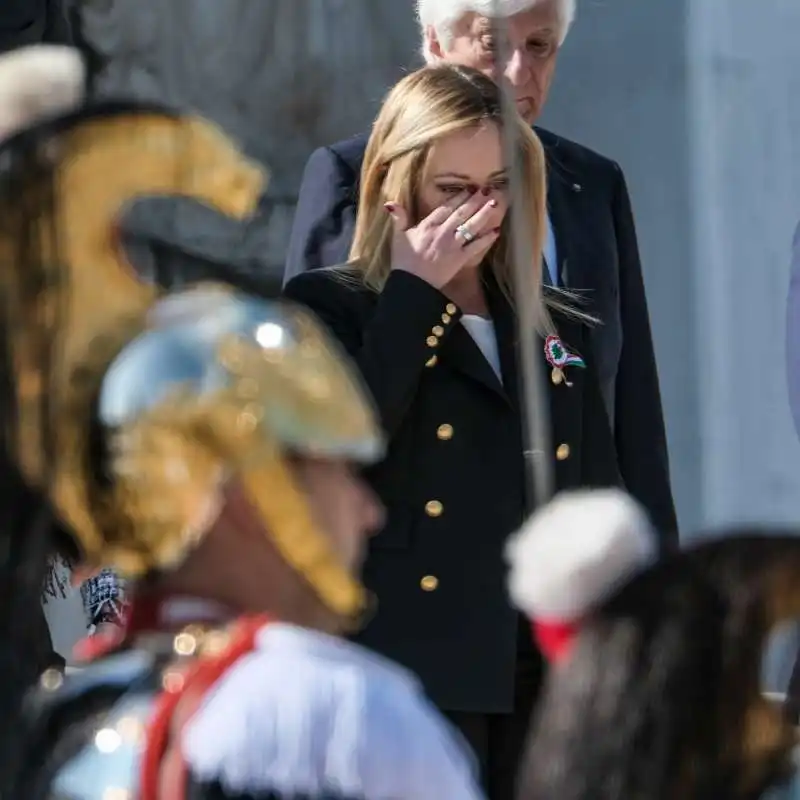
(654, 689)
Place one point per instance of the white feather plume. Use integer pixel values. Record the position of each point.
(37, 82)
(309, 715)
(571, 554)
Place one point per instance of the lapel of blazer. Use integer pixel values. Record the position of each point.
(461, 353)
(564, 202)
(505, 327)
(566, 402)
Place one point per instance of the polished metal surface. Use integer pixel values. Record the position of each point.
(292, 364)
(181, 350)
(107, 767)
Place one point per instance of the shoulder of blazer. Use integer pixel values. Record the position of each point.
(337, 285)
(576, 157)
(351, 151)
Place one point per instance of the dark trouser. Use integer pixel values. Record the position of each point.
(499, 739)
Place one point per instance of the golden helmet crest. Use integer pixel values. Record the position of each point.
(261, 377)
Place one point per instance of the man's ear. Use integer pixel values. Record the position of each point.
(433, 47)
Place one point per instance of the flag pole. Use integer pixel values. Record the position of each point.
(533, 401)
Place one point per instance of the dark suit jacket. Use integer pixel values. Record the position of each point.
(596, 242)
(454, 480)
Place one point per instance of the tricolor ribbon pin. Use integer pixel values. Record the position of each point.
(559, 358)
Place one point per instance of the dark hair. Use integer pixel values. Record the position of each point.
(661, 697)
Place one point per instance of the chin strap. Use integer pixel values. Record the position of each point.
(283, 507)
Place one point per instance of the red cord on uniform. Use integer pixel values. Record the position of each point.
(198, 679)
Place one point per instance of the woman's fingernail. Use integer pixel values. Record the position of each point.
(486, 190)
(497, 230)
(493, 202)
(390, 207)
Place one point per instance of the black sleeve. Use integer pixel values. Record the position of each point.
(324, 219)
(394, 344)
(639, 424)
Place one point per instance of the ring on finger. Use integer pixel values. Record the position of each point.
(465, 233)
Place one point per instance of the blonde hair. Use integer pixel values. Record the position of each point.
(426, 106)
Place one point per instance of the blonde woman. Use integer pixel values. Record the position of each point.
(425, 308)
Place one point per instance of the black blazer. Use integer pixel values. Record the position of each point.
(599, 256)
(453, 481)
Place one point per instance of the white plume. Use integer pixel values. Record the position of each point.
(37, 82)
(571, 554)
(310, 715)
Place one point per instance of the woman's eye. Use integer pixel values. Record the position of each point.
(451, 189)
(500, 185)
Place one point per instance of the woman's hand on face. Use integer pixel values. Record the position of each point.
(435, 250)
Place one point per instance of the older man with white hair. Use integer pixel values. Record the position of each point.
(591, 247)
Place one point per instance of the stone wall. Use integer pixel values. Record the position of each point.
(282, 76)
